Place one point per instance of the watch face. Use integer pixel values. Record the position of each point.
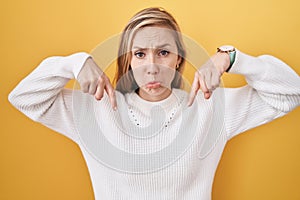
(226, 48)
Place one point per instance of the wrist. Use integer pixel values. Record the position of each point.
(230, 50)
(226, 60)
(221, 61)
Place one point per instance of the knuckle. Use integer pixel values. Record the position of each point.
(91, 92)
(84, 83)
(104, 77)
(94, 80)
(201, 74)
(218, 73)
(101, 81)
(84, 88)
(215, 85)
(204, 89)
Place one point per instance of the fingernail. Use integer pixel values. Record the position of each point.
(97, 98)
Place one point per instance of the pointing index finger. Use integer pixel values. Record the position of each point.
(194, 90)
(111, 93)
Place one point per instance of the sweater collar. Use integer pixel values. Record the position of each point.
(133, 99)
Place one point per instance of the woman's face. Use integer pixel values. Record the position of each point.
(153, 61)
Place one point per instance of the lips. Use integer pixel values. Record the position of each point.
(153, 85)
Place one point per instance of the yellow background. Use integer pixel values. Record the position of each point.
(37, 163)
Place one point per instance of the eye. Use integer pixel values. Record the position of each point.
(139, 54)
(163, 53)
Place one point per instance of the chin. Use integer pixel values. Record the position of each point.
(157, 92)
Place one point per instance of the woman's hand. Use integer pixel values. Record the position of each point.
(93, 80)
(207, 78)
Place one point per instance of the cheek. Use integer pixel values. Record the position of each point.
(138, 74)
(169, 69)
(171, 61)
(134, 67)
(168, 74)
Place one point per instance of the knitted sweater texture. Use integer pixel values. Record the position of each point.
(155, 150)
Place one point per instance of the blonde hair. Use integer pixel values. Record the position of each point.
(147, 17)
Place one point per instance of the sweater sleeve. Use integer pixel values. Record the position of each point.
(273, 90)
(42, 97)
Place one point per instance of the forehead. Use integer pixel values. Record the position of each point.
(153, 37)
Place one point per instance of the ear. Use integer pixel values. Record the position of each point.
(179, 59)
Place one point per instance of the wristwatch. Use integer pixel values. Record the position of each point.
(230, 50)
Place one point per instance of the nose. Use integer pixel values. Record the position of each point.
(152, 67)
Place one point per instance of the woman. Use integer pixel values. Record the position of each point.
(165, 149)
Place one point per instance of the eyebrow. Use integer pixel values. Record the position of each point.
(157, 47)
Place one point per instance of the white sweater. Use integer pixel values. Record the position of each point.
(155, 150)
